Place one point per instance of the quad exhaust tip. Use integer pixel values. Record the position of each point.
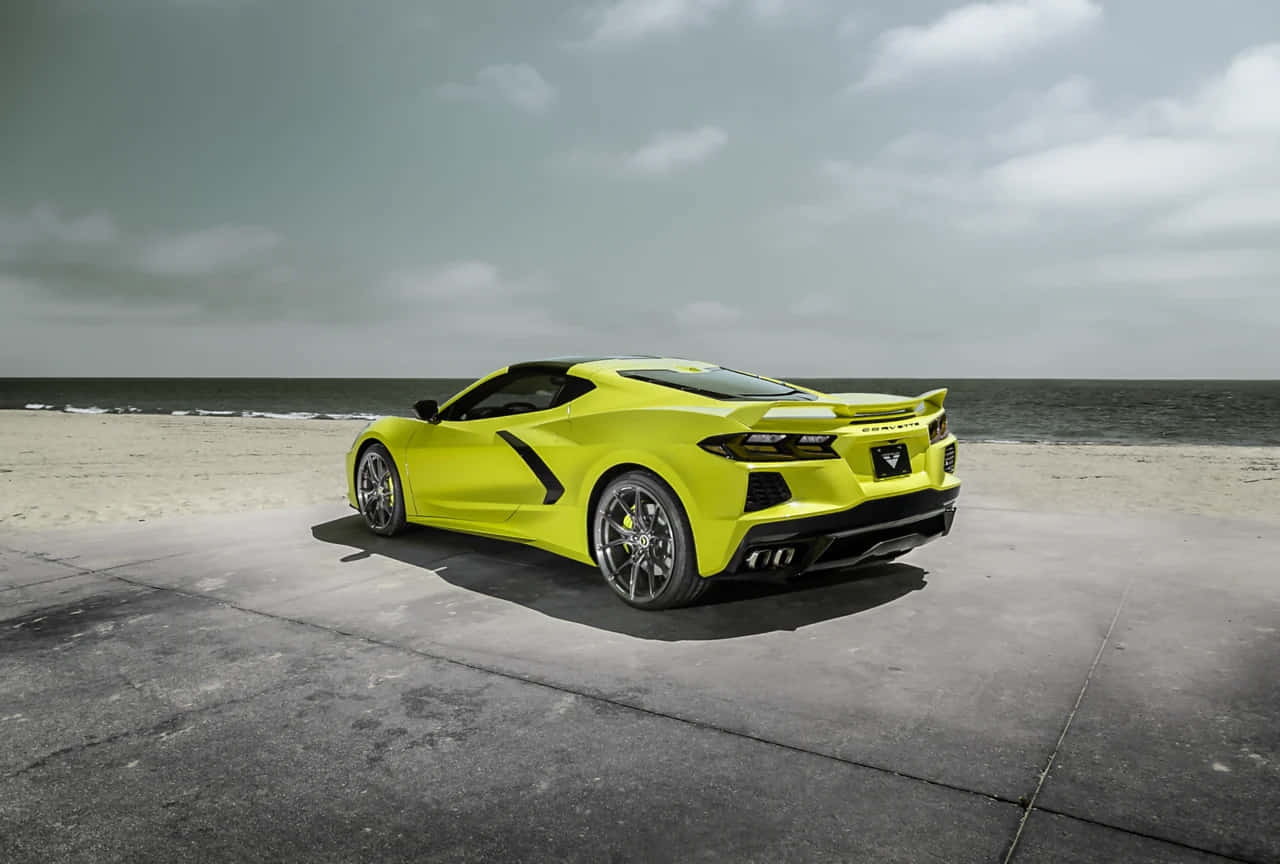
(759, 559)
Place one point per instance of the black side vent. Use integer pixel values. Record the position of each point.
(765, 489)
(949, 458)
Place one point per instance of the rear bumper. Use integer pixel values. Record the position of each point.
(842, 539)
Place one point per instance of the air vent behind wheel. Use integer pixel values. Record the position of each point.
(949, 458)
(765, 489)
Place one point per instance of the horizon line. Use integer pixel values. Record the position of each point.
(477, 377)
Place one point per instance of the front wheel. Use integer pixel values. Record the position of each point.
(644, 545)
(378, 491)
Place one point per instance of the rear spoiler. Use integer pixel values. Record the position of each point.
(847, 406)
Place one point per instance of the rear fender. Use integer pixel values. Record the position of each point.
(648, 461)
(711, 531)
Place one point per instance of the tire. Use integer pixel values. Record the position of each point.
(378, 491)
(648, 560)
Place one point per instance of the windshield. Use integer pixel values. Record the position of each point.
(720, 383)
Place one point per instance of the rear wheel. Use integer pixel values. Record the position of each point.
(644, 545)
(378, 491)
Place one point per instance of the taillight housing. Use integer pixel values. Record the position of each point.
(770, 446)
(938, 428)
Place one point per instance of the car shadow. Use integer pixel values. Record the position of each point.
(576, 592)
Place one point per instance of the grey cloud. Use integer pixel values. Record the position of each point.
(1244, 210)
(204, 253)
(1225, 136)
(976, 35)
(1165, 269)
(667, 152)
(43, 227)
(707, 313)
(88, 267)
(627, 21)
(518, 84)
(1071, 156)
(664, 153)
(1064, 113)
(1119, 170)
(474, 298)
(1042, 184)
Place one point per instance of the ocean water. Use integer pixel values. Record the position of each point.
(1022, 410)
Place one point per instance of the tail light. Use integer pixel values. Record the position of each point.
(770, 446)
(938, 428)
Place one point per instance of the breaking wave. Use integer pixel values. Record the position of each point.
(205, 412)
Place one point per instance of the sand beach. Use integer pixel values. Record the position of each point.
(66, 470)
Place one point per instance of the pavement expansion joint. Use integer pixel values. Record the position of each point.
(46, 559)
(42, 581)
(1097, 657)
(80, 570)
(559, 688)
(1027, 805)
(1190, 847)
(169, 723)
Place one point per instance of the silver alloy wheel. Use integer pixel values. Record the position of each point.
(635, 543)
(376, 490)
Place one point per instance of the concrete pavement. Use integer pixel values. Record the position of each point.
(284, 685)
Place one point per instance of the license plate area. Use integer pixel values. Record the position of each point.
(890, 460)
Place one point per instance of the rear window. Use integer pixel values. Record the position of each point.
(720, 383)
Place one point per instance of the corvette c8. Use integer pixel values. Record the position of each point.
(667, 474)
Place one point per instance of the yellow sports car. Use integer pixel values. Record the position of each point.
(666, 474)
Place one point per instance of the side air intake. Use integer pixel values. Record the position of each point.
(765, 489)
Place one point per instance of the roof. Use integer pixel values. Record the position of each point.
(612, 362)
(566, 363)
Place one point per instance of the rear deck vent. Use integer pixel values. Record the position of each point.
(882, 416)
(765, 489)
(949, 458)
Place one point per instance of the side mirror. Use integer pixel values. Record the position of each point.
(428, 410)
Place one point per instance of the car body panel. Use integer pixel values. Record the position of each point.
(474, 473)
(531, 476)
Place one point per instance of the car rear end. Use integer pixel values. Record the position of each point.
(825, 484)
(775, 478)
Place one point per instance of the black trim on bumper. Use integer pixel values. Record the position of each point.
(879, 526)
(539, 468)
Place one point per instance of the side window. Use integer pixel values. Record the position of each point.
(513, 393)
(518, 392)
(572, 389)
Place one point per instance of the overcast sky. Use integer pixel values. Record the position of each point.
(1071, 188)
